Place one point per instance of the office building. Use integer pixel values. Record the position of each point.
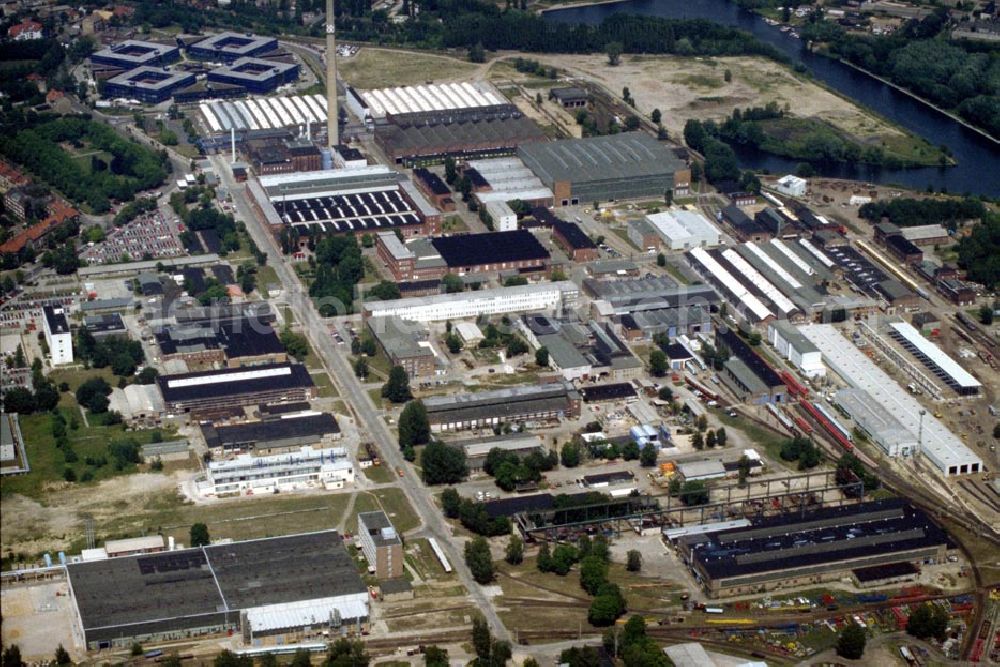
(277, 434)
(381, 545)
(405, 344)
(149, 85)
(255, 75)
(307, 468)
(220, 393)
(485, 409)
(58, 336)
(228, 47)
(133, 53)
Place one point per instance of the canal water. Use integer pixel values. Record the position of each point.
(978, 169)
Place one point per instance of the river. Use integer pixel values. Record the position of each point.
(978, 169)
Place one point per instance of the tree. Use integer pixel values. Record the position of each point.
(580, 656)
(19, 400)
(414, 425)
(295, 344)
(648, 455)
(147, 375)
(658, 363)
(384, 291)
(451, 503)
(347, 653)
(711, 439)
(542, 356)
(851, 643)
(633, 561)
(665, 393)
(482, 638)
(569, 455)
(229, 659)
(661, 259)
(199, 535)
(694, 493)
(361, 367)
(454, 343)
(986, 315)
(720, 437)
(435, 656)
(515, 550)
(62, 655)
(452, 283)
(450, 170)
(607, 606)
(614, 52)
(593, 574)
(93, 395)
(656, 116)
(397, 387)
(727, 76)
(479, 560)
(443, 464)
(12, 656)
(301, 658)
(928, 620)
(697, 440)
(136, 649)
(477, 54)
(631, 451)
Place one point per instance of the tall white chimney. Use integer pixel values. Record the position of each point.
(232, 143)
(332, 118)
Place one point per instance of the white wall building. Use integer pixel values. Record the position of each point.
(793, 186)
(57, 335)
(308, 468)
(792, 345)
(502, 300)
(942, 448)
(682, 229)
(503, 216)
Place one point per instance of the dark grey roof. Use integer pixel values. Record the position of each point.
(262, 378)
(379, 528)
(607, 392)
(490, 248)
(608, 477)
(200, 587)
(613, 156)
(307, 428)
(56, 318)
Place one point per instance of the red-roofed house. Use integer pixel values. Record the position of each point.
(54, 95)
(25, 30)
(10, 176)
(59, 212)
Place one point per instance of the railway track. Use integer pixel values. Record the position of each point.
(979, 494)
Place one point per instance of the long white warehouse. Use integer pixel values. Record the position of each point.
(941, 447)
(515, 299)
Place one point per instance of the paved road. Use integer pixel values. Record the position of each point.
(351, 390)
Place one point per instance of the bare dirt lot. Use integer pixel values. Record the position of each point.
(378, 68)
(683, 88)
(39, 617)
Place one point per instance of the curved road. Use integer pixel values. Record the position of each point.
(351, 390)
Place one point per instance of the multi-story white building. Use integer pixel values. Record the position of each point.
(502, 300)
(504, 218)
(792, 345)
(308, 468)
(57, 335)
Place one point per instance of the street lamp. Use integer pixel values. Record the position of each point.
(920, 433)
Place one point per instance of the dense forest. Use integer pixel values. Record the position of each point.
(45, 57)
(912, 212)
(962, 76)
(117, 168)
(979, 253)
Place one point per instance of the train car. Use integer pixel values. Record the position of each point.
(836, 433)
(713, 610)
(795, 388)
(730, 621)
(802, 425)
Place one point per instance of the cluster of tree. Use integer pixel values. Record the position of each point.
(35, 143)
(720, 159)
(269, 19)
(979, 252)
(529, 66)
(911, 212)
(493, 337)
(473, 515)
(851, 642)
(121, 354)
(954, 75)
(93, 395)
(296, 345)
(21, 399)
(702, 438)
(341, 653)
(442, 464)
(691, 493)
(489, 651)
(384, 291)
(850, 470)
(207, 218)
(397, 387)
(634, 646)
(803, 450)
(133, 210)
(478, 559)
(338, 270)
(928, 621)
(510, 470)
(414, 428)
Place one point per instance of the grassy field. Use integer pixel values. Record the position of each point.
(420, 557)
(378, 68)
(759, 436)
(49, 463)
(379, 474)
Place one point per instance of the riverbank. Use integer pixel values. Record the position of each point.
(542, 7)
(685, 88)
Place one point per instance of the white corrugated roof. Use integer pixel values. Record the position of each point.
(961, 376)
(307, 612)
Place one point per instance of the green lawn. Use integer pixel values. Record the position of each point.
(48, 462)
(760, 436)
(392, 501)
(421, 558)
(324, 386)
(380, 474)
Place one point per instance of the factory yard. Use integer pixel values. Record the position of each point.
(686, 88)
(39, 616)
(374, 67)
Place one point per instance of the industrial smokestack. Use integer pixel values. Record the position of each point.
(332, 117)
(232, 142)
